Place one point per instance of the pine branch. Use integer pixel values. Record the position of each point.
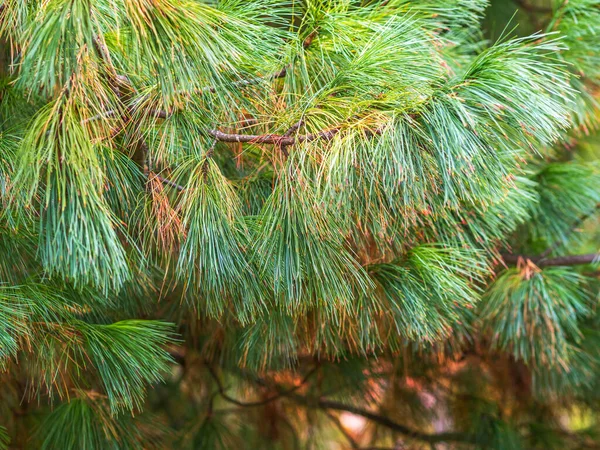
(309, 39)
(294, 128)
(332, 405)
(283, 140)
(277, 139)
(572, 260)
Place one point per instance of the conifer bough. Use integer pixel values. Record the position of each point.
(232, 224)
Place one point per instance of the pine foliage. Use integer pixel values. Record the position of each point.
(227, 223)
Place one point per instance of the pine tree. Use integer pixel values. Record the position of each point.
(239, 223)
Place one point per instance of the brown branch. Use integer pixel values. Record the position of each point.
(170, 183)
(291, 130)
(282, 139)
(384, 421)
(281, 73)
(331, 405)
(288, 133)
(572, 260)
(240, 403)
(309, 39)
(276, 139)
(343, 430)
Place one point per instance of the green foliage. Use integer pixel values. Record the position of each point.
(578, 21)
(327, 198)
(214, 256)
(57, 40)
(4, 439)
(85, 422)
(270, 341)
(210, 433)
(77, 236)
(186, 46)
(12, 315)
(127, 356)
(535, 314)
(428, 294)
(567, 191)
(300, 252)
(47, 324)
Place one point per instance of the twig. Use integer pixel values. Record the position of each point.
(282, 139)
(384, 421)
(309, 39)
(572, 260)
(277, 139)
(288, 133)
(170, 183)
(344, 432)
(104, 115)
(260, 402)
(291, 130)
